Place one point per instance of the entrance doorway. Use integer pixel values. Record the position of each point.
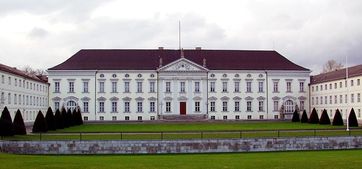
(182, 108)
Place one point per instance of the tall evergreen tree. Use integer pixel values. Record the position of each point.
(313, 118)
(79, 117)
(304, 117)
(69, 118)
(58, 120)
(337, 119)
(19, 126)
(7, 128)
(65, 118)
(295, 116)
(40, 124)
(324, 118)
(352, 119)
(50, 119)
(74, 117)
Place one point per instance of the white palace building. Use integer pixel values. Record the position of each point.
(145, 84)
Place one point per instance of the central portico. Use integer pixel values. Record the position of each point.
(182, 88)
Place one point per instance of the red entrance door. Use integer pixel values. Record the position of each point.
(182, 108)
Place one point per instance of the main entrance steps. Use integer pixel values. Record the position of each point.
(193, 117)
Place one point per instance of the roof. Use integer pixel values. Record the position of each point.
(148, 59)
(337, 75)
(15, 71)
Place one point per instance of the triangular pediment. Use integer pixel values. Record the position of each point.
(183, 65)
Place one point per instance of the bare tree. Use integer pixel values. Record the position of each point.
(332, 65)
(36, 72)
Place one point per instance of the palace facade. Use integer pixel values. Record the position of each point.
(146, 84)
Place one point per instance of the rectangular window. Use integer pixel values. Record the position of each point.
(126, 87)
(16, 82)
(152, 87)
(114, 107)
(335, 99)
(9, 98)
(261, 87)
(289, 86)
(301, 105)
(340, 85)
(321, 99)
(358, 82)
(126, 107)
(101, 87)
(325, 100)
(85, 107)
(101, 107)
(197, 87)
(212, 118)
(236, 86)
(152, 106)
(224, 106)
(126, 118)
(114, 87)
(248, 87)
(19, 99)
(276, 117)
(276, 87)
(85, 118)
(340, 99)
(352, 98)
(2, 79)
(168, 106)
(212, 106)
(224, 117)
(330, 86)
(330, 100)
(9, 81)
(114, 118)
(182, 87)
(345, 98)
(237, 117)
(335, 85)
(276, 105)
(261, 105)
(56, 87)
(352, 82)
(15, 99)
(224, 86)
(248, 106)
(301, 86)
(358, 97)
(152, 118)
(56, 106)
(139, 87)
(71, 87)
(197, 106)
(237, 106)
(261, 117)
(212, 86)
(85, 87)
(139, 118)
(139, 107)
(168, 87)
(101, 118)
(249, 117)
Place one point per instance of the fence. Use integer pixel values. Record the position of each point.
(179, 135)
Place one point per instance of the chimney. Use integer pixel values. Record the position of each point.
(198, 48)
(160, 48)
(204, 62)
(160, 63)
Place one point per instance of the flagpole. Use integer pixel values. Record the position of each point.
(347, 112)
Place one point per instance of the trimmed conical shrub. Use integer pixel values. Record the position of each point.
(304, 117)
(58, 118)
(49, 117)
(337, 119)
(295, 116)
(313, 118)
(79, 117)
(7, 128)
(19, 126)
(74, 118)
(65, 118)
(69, 118)
(352, 119)
(324, 118)
(40, 124)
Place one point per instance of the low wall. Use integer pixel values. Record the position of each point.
(180, 146)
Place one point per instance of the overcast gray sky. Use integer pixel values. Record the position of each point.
(44, 33)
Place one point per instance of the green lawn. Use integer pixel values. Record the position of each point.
(346, 159)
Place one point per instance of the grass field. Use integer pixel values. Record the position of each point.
(346, 159)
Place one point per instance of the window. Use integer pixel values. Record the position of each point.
(85, 87)
(224, 106)
(212, 86)
(352, 98)
(19, 99)
(261, 87)
(301, 86)
(237, 106)
(114, 107)
(101, 87)
(330, 86)
(152, 118)
(197, 87)
(9, 98)
(182, 87)
(330, 100)
(325, 87)
(152, 87)
(126, 87)
(316, 88)
(212, 118)
(276, 105)
(212, 106)
(335, 85)
(335, 99)
(152, 106)
(237, 117)
(224, 117)
(352, 82)
(85, 107)
(168, 106)
(139, 87)
(126, 118)
(236, 86)
(56, 105)
(248, 87)
(289, 106)
(261, 105)
(139, 107)
(9, 82)
(275, 87)
(340, 84)
(340, 99)
(19, 83)
(114, 118)
(358, 82)
(2, 79)
(325, 100)
(114, 87)
(101, 107)
(358, 97)
(16, 82)
(197, 106)
(139, 118)
(56, 87)
(101, 118)
(71, 87)
(85, 118)
(289, 86)
(249, 117)
(345, 98)
(168, 87)
(276, 117)
(301, 103)
(224, 86)
(321, 99)
(248, 106)
(126, 107)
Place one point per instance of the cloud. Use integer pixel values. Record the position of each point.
(38, 33)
